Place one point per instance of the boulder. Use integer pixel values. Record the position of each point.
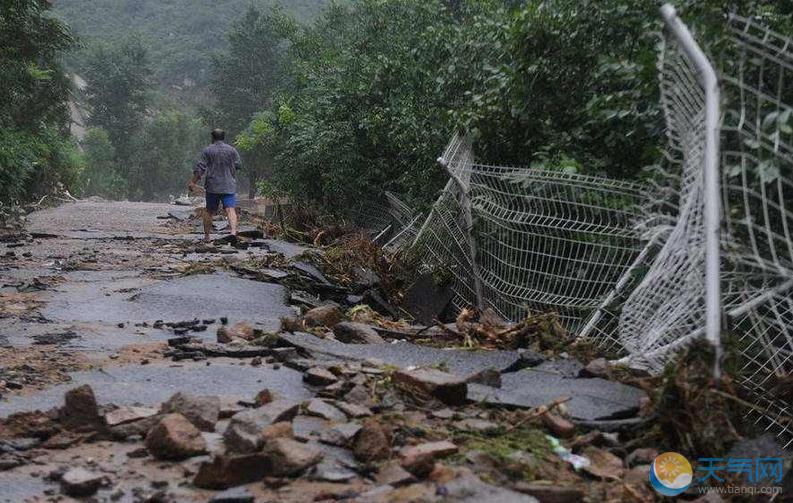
(317, 376)
(420, 459)
(356, 333)
(599, 367)
(202, 411)
(125, 415)
(372, 442)
(320, 408)
(643, 456)
(263, 397)
(289, 457)
(340, 435)
(393, 474)
(237, 331)
(80, 411)
(353, 410)
(244, 432)
(557, 425)
(175, 438)
(79, 482)
(278, 430)
(229, 470)
(323, 316)
(447, 388)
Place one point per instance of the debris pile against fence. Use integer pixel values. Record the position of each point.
(644, 270)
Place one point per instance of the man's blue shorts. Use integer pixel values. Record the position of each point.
(214, 200)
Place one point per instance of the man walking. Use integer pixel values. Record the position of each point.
(219, 162)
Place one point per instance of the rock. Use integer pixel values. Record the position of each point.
(230, 406)
(263, 397)
(323, 316)
(320, 408)
(445, 387)
(80, 411)
(420, 459)
(558, 426)
(240, 330)
(79, 482)
(234, 495)
(332, 471)
(644, 456)
(317, 376)
(360, 395)
(289, 457)
(230, 470)
(353, 410)
(175, 438)
(372, 442)
(603, 464)
(468, 488)
(599, 367)
(278, 430)
(125, 414)
(364, 278)
(488, 377)
(244, 432)
(394, 475)
(356, 333)
(135, 428)
(340, 435)
(64, 440)
(202, 411)
(548, 493)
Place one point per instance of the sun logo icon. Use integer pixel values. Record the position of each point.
(671, 474)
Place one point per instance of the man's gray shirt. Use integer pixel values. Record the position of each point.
(219, 162)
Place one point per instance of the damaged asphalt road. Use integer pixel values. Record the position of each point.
(133, 309)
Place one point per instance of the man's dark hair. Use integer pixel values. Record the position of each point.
(218, 135)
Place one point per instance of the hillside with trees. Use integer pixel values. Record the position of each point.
(180, 35)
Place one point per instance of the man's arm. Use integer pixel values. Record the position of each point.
(198, 172)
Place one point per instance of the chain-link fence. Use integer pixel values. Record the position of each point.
(645, 269)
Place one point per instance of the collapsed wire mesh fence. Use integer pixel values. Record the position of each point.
(626, 265)
(757, 188)
(544, 240)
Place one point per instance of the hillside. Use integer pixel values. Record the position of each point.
(181, 34)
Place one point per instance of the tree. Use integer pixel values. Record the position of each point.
(100, 176)
(245, 76)
(168, 148)
(36, 154)
(117, 93)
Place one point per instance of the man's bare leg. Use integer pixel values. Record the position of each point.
(231, 213)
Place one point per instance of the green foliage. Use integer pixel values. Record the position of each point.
(118, 83)
(181, 35)
(36, 155)
(100, 176)
(167, 148)
(377, 88)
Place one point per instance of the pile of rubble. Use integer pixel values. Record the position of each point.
(371, 433)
